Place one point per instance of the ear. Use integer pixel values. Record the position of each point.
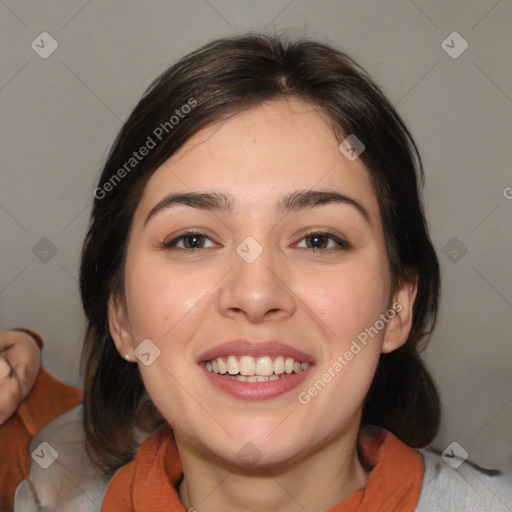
(119, 327)
(400, 325)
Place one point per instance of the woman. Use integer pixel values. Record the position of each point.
(258, 280)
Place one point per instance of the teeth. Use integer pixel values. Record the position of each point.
(232, 365)
(247, 366)
(265, 366)
(253, 378)
(279, 365)
(222, 366)
(250, 369)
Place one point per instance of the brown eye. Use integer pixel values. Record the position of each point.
(192, 240)
(319, 241)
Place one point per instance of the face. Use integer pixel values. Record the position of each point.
(19, 365)
(297, 285)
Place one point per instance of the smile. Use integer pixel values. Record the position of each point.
(251, 370)
(255, 369)
(256, 387)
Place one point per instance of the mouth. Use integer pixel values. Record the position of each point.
(255, 371)
(251, 369)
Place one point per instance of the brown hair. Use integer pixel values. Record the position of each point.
(221, 79)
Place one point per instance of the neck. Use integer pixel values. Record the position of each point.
(315, 482)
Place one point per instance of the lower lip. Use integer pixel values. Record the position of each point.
(256, 390)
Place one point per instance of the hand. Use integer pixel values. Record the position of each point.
(20, 359)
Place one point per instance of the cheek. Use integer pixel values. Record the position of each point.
(166, 308)
(347, 301)
(152, 299)
(164, 305)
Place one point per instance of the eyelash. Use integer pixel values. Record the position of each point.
(343, 245)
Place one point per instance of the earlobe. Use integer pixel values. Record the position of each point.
(118, 326)
(399, 326)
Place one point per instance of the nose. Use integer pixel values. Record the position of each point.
(259, 290)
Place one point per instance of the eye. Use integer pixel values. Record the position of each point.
(320, 241)
(192, 240)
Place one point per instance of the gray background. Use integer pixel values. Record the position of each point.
(60, 115)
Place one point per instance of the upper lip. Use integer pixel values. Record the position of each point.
(244, 347)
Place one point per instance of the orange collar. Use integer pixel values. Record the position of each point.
(149, 482)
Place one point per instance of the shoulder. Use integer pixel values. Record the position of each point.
(61, 475)
(467, 487)
(117, 495)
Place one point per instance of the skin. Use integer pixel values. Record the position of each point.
(188, 302)
(20, 359)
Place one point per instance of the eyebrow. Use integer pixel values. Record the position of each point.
(218, 201)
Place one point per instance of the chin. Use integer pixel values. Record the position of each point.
(246, 450)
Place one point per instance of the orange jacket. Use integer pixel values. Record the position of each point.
(47, 399)
(148, 482)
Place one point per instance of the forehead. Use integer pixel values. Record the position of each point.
(262, 153)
